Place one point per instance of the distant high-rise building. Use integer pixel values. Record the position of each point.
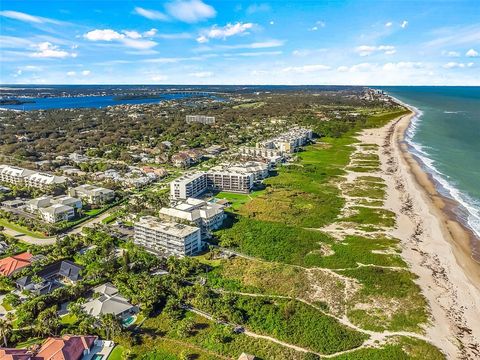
(203, 119)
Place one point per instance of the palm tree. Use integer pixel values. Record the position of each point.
(5, 330)
(111, 325)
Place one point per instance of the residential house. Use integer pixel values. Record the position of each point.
(11, 264)
(109, 301)
(67, 347)
(181, 160)
(53, 276)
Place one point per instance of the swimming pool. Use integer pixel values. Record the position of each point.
(97, 357)
(129, 321)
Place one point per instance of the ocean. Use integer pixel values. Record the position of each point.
(445, 137)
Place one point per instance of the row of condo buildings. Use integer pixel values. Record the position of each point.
(238, 178)
(289, 141)
(66, 207)
(19, 176)
(180, 230)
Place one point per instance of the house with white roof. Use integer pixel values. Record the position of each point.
(109, 301)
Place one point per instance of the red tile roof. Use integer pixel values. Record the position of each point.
(14, 354)
(67, 347)
(13, 263)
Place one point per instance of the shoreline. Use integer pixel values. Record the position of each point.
(460, 235)
(437, 247)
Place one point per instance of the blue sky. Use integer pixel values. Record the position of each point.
(370, 42)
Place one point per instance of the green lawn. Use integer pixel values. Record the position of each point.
(116, 353)
(68, 319)
(21, 229)
(7, 305)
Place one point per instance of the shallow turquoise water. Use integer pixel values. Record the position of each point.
(446, 138)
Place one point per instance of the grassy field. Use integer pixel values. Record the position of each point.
(21, 229)
(204, 341)
(388, 300)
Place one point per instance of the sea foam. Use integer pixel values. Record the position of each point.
(469, 208)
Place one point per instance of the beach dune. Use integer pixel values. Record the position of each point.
(436, 246)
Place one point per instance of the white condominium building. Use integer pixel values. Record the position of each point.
(207, 216)
(232, 181)
(20, 176)
(56, 209)
(257, 168)
(92, 194)
(188, 185)
(167, 237)
(289, 141)
(57, 212)
(203, 119)
(259, 152)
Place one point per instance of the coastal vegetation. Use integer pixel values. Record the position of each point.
(284, 279)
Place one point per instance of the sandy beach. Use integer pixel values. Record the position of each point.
(435, 245)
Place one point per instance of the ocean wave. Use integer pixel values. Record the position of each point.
(470, 208)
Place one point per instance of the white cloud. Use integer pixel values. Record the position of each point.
(48, 50)
(103, 35)
(86, 72)
(319, 24)
(28, 18)
(201, 74)
(404, 24)
(150, 14)
(131, 39)
(388, 24)
(366, 50)
(175, 36)
(403, 65)
(253, 54)
(457, 65)
(132, 34)
(471, 53)
(308, 52)
(356, 68)
(306, 68)
(190, 11)
(140, 44)
(159, 77)
(150, 32)
(451, 53)
(256, 8)
(453, 36)
(272, 22)
(222, 32)
(71, 73)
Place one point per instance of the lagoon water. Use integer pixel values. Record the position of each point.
(445, 136)
(85, 102)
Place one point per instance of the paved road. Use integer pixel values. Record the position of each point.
(51, 240)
